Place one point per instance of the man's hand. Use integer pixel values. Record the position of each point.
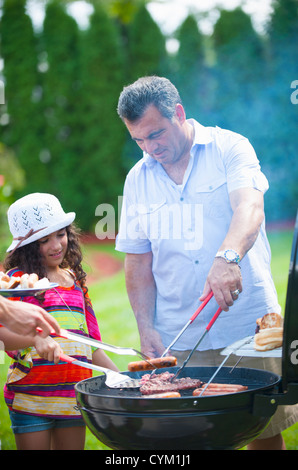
(223, 279)
(23, 318)
(151, 343)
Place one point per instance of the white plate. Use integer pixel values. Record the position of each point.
(240, 349)
(18, 292)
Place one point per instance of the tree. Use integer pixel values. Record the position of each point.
(12, 180)
(146, 46)
(191, 74)
(61, 99)
(282, 120)
(146, 54)
(284, 20)
(102, 132)
(19, 51)
(238, 70)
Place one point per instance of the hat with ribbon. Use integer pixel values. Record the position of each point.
(35, 216)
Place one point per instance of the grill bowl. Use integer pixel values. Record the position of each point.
(126, 420)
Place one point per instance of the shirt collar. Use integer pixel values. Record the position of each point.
(203, 135)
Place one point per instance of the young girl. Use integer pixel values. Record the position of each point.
(40, 389)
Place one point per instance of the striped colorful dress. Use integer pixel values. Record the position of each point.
(41, 388)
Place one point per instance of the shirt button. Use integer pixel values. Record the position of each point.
(196, 261)
(182, 199)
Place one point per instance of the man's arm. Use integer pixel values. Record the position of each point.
(248, 214)
(23, 318)
(141, 291)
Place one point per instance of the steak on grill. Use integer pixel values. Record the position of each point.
(160, 383)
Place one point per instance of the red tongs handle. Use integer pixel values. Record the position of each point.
(203, 304)
(192, 318)
(66, 358)
(213, 319)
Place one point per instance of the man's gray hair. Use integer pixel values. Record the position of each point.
(146, 91)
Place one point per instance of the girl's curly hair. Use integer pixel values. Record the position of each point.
(28, 258)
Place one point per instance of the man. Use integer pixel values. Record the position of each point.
(192, 215)
(23, 319)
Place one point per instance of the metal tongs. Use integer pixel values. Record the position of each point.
(232, 351)
(113, 379)
(208, 327)
(100, 345)
(192, 318)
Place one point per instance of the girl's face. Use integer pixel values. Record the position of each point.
(53, 248)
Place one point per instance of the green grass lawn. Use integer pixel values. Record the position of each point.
(118, 326)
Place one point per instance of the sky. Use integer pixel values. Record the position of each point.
(169, 14)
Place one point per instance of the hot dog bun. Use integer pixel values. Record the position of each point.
(268, 338)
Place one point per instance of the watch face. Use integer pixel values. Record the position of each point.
(230, 255)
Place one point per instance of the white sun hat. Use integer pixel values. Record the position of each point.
(35, 216)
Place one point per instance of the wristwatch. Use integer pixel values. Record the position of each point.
(231, 256)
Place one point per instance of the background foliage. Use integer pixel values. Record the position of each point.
(62, 86)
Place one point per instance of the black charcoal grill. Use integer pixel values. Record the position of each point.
(125, 420)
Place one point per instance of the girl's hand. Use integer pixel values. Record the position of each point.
(47, 348)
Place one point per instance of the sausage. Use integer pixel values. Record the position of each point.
(216, 386)
(219, 389)
(209, 393)
(151, 364)
(164, 395)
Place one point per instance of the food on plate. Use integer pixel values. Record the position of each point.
(8, 283)
(165, 395)
(42, 283)
(270, 320)
(161, 383)
(151, 364)
(268, 339)
(219, 389)
(26, 281)
(269, 332)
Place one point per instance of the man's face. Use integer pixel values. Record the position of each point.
(163, 139)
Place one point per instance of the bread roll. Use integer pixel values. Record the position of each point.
(14, 282)
(270, 320)
(42, 283)
(3, 284)
(24, 281)
(268, 338)
(32, 279)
